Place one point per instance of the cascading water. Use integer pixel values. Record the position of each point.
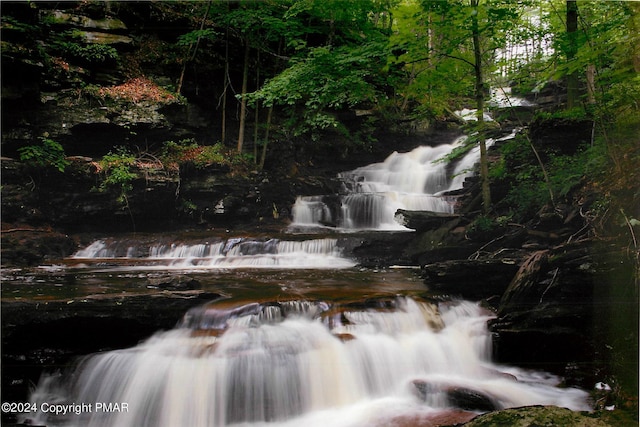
(239, 252)
(300, 363)
(372, 194)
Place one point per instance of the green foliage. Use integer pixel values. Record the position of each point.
(12, 24)
(71, 46)
(571, 115)
(187, 207)
(47, 154)
(329, 79)
(195, 36)
(520, 170)
(90, 53)
(201, 156)
(528, 192)
(20, 41)
(483, 224)
(484, 227)
(210, 155)
(119, 172)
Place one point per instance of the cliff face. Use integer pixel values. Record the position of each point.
(93, 77)
(79, 76)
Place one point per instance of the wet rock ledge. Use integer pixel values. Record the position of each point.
(53, 332)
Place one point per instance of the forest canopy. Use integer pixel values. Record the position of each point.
(276, 70)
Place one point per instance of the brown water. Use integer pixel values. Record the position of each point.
(246, 284)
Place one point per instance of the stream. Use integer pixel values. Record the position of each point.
(301, 334)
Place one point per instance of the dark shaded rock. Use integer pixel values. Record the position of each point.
(104, 23)
(71, 200)
(445, 242)
(472, 400)
(548, 97)
(425, 220)
(516, 114)
(471, 279)
(160, 199)
(380, 249)
(32, 246)
(38, 333)
(559, 311)
(152, 311)
(562, 136)
(174, 283)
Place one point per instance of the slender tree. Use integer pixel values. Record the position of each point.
(243, 98)
(479, 95)
(572, 50)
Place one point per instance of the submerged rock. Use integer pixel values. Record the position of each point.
(174, 282)
(458, 396)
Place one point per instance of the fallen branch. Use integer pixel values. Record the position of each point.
(13, 230)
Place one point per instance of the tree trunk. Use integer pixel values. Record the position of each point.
(223, 135)
(243, 99)
(479, 88)
(190, 57)
(572, 32)
(263, 155)
(266, 138)
(634, 26)
(255, 121)
(591, 83)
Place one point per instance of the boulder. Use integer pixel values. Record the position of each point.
(562, 136)
(458, 396)
(424, 220)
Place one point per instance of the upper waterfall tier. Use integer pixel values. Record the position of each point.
(371, 195)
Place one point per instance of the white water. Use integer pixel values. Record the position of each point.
(229, 253)
(300, 363)
(373, 193)
(415, 180)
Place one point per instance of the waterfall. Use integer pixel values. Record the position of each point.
(373, 193)
(417, 180)
(237, 252)
(299, 363)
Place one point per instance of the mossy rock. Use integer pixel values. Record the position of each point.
(538, 416)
